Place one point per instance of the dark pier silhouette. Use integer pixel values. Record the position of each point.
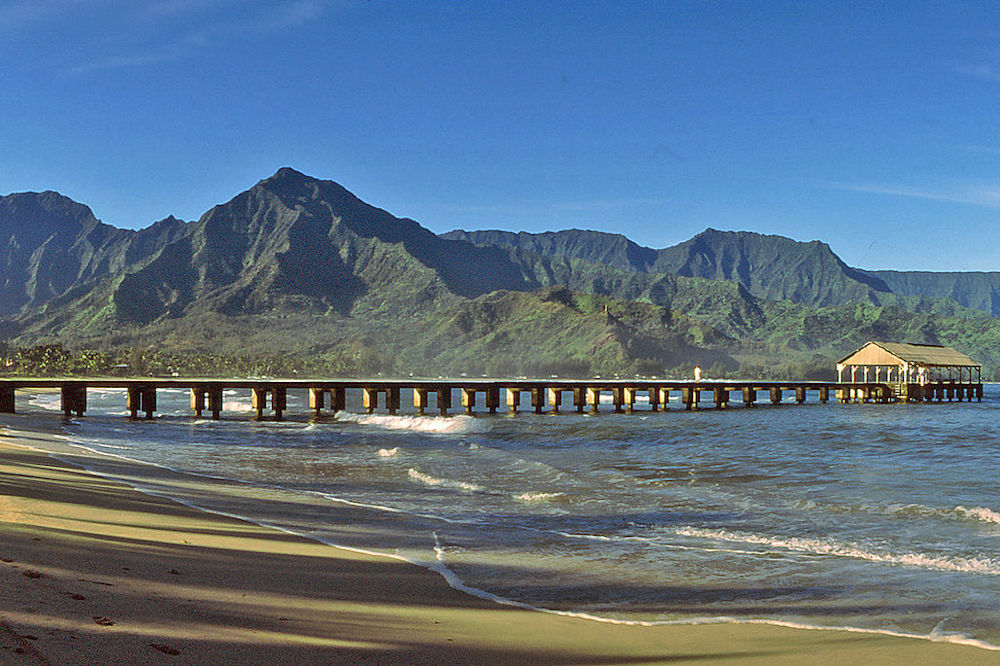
(269, 397)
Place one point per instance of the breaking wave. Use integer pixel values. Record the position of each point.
(451, 425)
(429, 480)
(975, 565)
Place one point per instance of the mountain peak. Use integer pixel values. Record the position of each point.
(289, 173)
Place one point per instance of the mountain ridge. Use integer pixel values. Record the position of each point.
(299, 263)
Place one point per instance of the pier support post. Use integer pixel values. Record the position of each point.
(800, 394)
(279, 402)
(338, 399)
(775, 395)
(133, 401)
(690, 397)
(73, 399)
(258, 399)
(420, 400)
(630, 395)
(469, 400)
(392, 400)
(493, 399)
(444, 400)
(369, 399)
(665, 399)
(654, 399)
(513, 400)
(594, 399)
(555, 399)
(317, 399)
(749, 396)
(617, 399)
(979, 393)
(148, 398)
(721, 397)
(824, 394)
(215, 400)
(579, 398)
(7, 400)
(538, 398)
(951, 393)
(198, 400)
(142, 398)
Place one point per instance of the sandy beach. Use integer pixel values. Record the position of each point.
(93, 571)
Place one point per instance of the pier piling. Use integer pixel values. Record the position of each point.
(369, 399)
(594, 399)
(420, 400)
(317, 399)
(513, 400)
(538, 398)
(73, 398)
(555, 399)
(7, 400)
(141, 394)
(444, 400)
(469, 400)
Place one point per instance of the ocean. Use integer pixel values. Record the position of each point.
(880, 518)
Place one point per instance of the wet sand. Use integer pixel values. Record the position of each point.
(93, 571)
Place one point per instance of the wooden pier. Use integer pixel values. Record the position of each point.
(269, 398)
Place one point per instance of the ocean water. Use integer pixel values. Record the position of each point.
(872, 517)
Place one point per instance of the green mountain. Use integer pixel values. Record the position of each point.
(771, 267)
(977, 290)
(50, 244)
(297, 273)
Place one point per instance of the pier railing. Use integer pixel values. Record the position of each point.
(548, 395)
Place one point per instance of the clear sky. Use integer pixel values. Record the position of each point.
(872, 126)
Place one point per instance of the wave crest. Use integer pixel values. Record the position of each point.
(429, 480)
(432, 424)
(977, 565)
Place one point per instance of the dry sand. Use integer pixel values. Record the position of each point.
(94, 572)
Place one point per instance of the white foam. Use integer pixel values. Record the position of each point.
(980, 513)
(388, 453)
(975, 565)
(429, 424)
(537, 497)
(417, 475)
(976, 513)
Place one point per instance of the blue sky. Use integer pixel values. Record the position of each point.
(872, 126)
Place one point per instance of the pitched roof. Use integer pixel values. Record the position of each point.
(907, 352)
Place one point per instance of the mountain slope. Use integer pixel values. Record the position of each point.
(50, 243)
(771, 267)
(978, 290)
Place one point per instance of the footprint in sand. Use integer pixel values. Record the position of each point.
(31, 573)
(103, 621)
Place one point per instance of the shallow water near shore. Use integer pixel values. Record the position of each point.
(877, 517)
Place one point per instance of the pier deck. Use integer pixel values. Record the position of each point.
(542, 395)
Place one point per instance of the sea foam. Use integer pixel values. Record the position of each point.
(430, 424)
(429, 480)
(975, 565)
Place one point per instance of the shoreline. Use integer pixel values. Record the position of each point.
(380, 609)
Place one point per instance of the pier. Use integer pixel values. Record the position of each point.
(269, 398)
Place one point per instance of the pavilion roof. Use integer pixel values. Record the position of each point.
(883, 353)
